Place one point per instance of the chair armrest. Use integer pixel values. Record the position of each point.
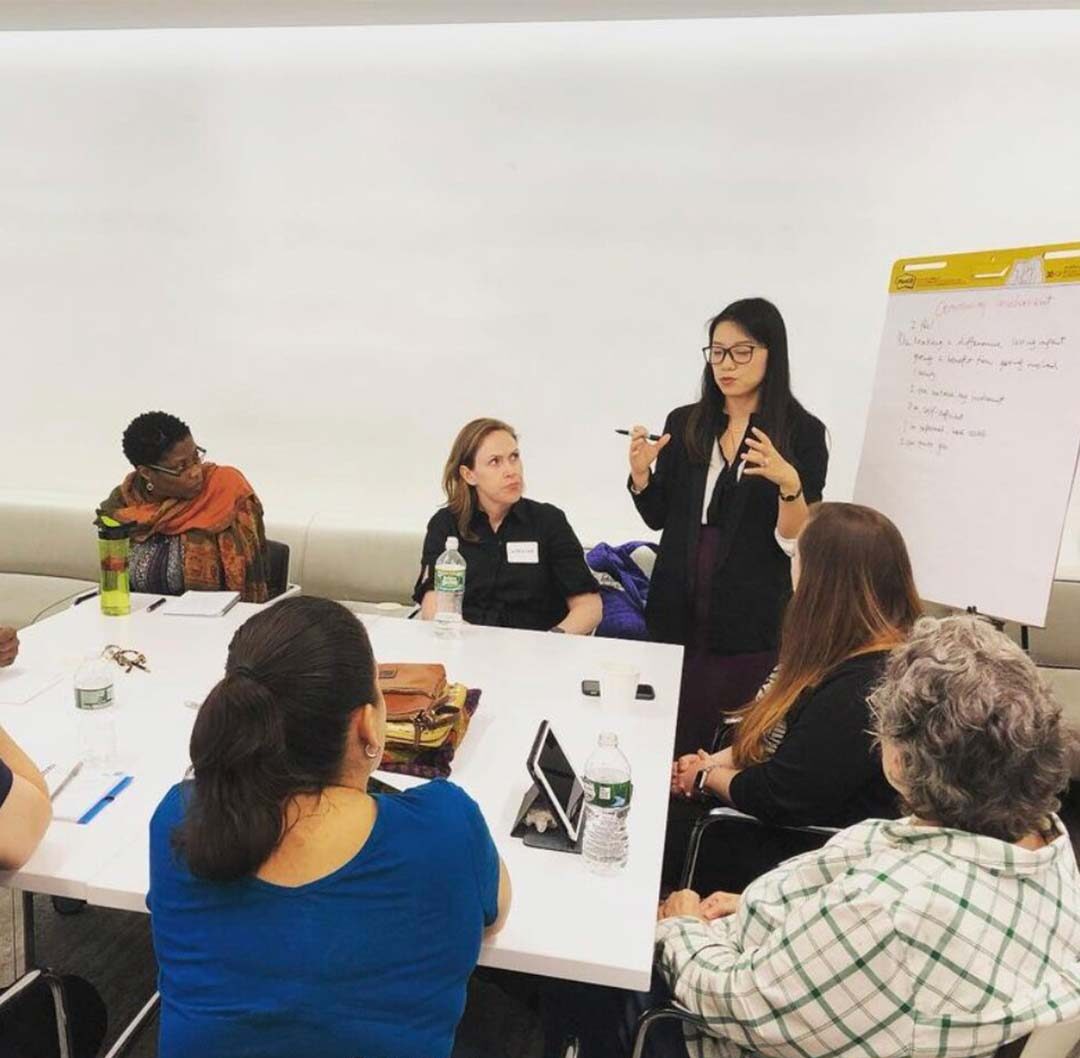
(65, 1045)
(667, 1012)
(12, 993)
(724, 814)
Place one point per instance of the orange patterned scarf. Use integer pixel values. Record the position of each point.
(224, 539)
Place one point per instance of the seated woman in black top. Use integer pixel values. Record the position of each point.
(802, 752)
(734, 476)
(525, 568)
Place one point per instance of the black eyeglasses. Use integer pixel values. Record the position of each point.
(175, 472)
(740, 353)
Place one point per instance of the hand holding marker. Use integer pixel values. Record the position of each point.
(644, 448)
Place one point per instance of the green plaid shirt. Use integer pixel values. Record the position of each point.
(893, 939)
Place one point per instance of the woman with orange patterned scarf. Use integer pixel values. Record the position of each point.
(197, 526)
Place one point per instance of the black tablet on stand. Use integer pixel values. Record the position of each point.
(555, 787)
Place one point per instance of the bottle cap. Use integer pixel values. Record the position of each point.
(608, 738)
(451, 543)
(110, 529)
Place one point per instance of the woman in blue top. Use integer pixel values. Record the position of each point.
(294, 913)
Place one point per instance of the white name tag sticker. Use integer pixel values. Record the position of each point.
(523, 551)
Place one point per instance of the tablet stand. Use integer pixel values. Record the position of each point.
(555, 837)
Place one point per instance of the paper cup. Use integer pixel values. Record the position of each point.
(618, 684)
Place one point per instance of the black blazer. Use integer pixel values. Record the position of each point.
(751, 582)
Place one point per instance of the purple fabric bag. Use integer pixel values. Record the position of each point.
(624, 588)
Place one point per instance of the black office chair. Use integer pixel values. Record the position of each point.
(671, 1011)
(20, 995)
(278, 555)
(44, 1013)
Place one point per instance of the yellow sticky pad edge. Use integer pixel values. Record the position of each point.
(1055, 263)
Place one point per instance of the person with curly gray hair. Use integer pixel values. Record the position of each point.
(951, 931)
(971, 737)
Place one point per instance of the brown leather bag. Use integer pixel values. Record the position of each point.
(414, 696)
(441, 727)
(411, 688)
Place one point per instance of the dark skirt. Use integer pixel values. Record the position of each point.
(712, 684)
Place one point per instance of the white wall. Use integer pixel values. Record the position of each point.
(328, 248)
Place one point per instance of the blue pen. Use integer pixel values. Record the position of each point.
(108, 799)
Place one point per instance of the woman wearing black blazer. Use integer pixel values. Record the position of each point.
(734, 475)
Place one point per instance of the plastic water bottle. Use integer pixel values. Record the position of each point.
(449, 590)
(94, 700)
(606, 843)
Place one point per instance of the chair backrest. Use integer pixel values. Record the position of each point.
(279, 567)
(1053, 1041)
(740, 847)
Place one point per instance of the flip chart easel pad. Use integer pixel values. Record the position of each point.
(971, 441)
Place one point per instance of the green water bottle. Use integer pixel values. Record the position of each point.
(114, 556)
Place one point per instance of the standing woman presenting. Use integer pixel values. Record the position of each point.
(734, 475)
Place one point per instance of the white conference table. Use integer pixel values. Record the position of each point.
(565, 922)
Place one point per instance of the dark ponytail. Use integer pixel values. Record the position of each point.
(273, 728)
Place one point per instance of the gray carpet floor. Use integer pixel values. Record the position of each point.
(112, 949)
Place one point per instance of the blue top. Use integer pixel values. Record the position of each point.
(370, 961)
(6, 779)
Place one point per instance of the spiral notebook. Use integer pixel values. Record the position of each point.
(201, 603)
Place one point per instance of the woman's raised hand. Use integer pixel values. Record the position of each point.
(763, 460)
(643, 453)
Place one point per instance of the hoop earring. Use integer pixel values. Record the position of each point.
(370, 751)
(149, 485)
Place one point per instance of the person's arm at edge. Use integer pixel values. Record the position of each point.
(26, 811)
(24, 817)
(584, 613)
(424, 592)
(570, 575)
(9, 646)
(506, 898)
(12, 754)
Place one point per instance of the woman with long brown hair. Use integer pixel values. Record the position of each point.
(525, 567)
(802, 752)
